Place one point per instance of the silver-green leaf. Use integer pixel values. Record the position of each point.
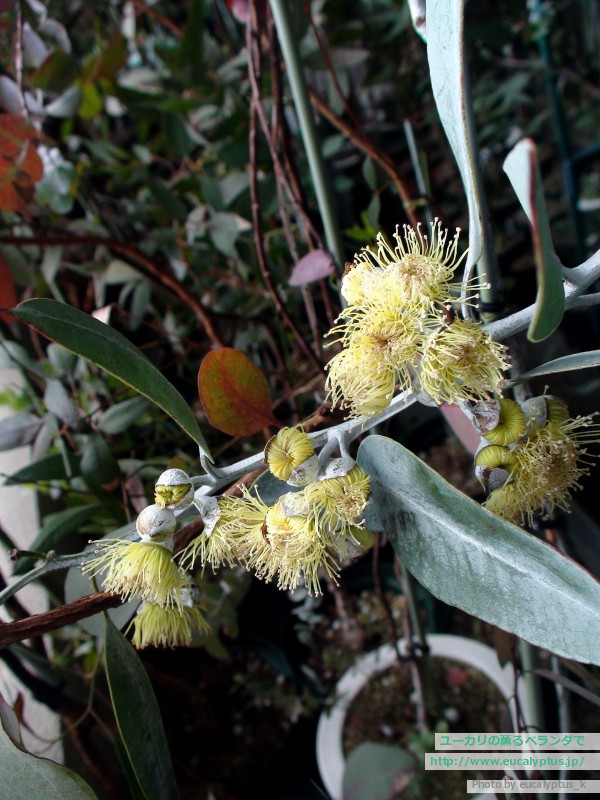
(591, 358)
(521, 166)
(473, 560)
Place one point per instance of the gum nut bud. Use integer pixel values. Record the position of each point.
(536, 413)
(338, 467)
(557, 409)
(511, 425)
(494, 455)
(486, 415)
(174, 489)
(155, 524)
(491, 478)
(306, 473)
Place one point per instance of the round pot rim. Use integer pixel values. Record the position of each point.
(330, 754)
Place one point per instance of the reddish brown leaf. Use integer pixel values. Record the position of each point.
(8, 291)
(32, 164)
(235, 393)
(14, 132)
(10, 199)
(6, 5)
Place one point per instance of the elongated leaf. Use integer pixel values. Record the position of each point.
(235, 393)
(18, 429)
(49, 468)
(138, 717)
(590, 358)
(108, 349)
(521, 166)
(121, 416)
(472, 559)
(26, 777)
(445, 52)
(54, 530)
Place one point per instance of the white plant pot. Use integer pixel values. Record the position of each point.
(330, 754)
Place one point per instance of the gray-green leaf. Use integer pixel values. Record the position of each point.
(18, 429)
(108, 349)
(472, 559)
(445, 52)
(590, 358)
(121, 416)
(521, 166)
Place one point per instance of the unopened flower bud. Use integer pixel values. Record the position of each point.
(174, 489)
(155, 524)
(290, 457)
(511, 424)
(494, 455)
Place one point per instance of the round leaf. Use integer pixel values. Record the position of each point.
(235, 393)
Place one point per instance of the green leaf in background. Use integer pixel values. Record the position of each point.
(48, 468)
(591, 358)
(377, 772)
(138, 718)
(54, 530)
(521, 166)
(110, 350)
(98, 465)
(121, 416)
(24, 776)
(18, 430)
(445, 52)
(471, 559)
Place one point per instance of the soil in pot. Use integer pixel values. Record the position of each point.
(383, 712)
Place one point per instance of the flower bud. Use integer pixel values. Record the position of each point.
(494, 455)
(290, 457)
(511, 424)
(155, 524)
(174, 489)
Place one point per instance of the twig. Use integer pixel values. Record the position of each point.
(256, 221)
(369, 149)
(131, 252)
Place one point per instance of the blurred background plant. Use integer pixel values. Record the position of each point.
(153, 174)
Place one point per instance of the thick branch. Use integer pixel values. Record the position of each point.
(38, 624)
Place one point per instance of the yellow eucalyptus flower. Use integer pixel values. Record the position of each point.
(154, 626)
(137, 569)
(417, 270)
(359, 380)
(549, 465)
(461, 362)
(225, 525)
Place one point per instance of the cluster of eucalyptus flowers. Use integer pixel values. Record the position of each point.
(169, 613)
(303, 532)
(532, 455)
(400, 328)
